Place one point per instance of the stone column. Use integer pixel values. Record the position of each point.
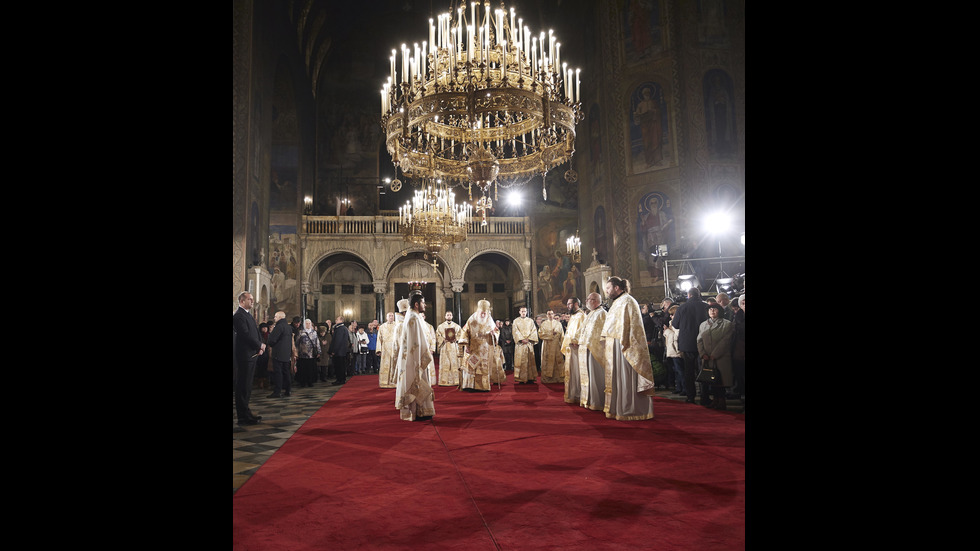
(379, 300)
(305, 287)
(457, 299)
(527, 295)
(260, 279)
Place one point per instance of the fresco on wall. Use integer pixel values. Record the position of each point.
(654, 227)
(282, 187)
(712, 31)
(641, 28)
(284, 267)
(719, 114)
(256, 248)
(353, 134)
(649, 137)
(558, 277)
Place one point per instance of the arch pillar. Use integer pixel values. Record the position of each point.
(457, 285)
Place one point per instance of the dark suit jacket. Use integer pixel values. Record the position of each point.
(687, 320)
(281, 341)
(247, 340)
(341, 340)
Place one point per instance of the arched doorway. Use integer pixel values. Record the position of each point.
(414, 272)
(495, 277)
(344, 287)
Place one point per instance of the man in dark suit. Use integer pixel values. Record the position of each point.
(340, 349)
(248, 346)
(687, 320)
(281, 341)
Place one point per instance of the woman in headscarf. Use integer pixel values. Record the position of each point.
(715, 346)
(307, 349)
(478, 339)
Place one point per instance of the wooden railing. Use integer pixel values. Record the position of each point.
(388, 225)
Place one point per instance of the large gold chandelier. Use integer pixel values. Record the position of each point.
(482, 101)
(432, 218)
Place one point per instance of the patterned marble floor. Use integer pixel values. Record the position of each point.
(252, 445)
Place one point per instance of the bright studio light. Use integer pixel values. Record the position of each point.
(717, 223)
(724, 284)
(685, 282)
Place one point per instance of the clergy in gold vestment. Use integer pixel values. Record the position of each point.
(478, 339)
(497, 375)
(387, 345)
(592, 351)
(399, 323)
(413, 395)
(430, 333)
(629, 375)
(449, 356)
(525, 335)
(552, 362)
(569, 348)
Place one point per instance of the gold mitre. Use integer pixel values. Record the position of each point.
(403, 305)
(483, 305)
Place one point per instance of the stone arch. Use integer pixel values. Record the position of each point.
(502, 305)
(446, 274)
(469, 260)
(313, 267)
(399, 270)
(407, 262)
(337, 269)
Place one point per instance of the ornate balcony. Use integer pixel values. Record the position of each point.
(387, 226)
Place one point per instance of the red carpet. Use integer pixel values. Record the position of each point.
(512, 469)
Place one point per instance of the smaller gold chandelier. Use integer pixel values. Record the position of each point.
(432, 218)
(417, 282)
(574, 247)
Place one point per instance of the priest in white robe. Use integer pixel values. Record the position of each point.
(551, 334)
(525, 335)
(388, 348)
(431, 368)
(592, 351)
(629, 374)
(449, 352)
(569, 348)
(414, 398)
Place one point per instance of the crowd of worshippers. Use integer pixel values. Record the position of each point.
(611, 352)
